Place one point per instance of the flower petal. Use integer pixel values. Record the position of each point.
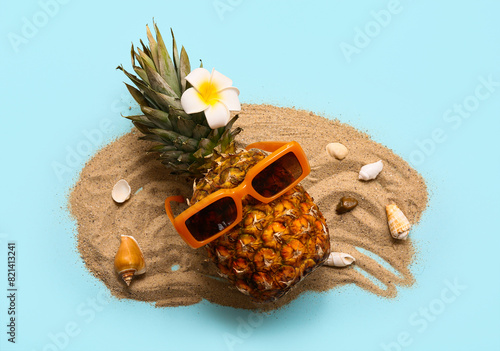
(198, 76)
(217, 115)
(229, 97)
(192, 101)
(220, 80)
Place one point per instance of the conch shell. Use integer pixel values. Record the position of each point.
(121, 191)
(129, 260)
(398, 223)
(339, 259)
(371, 170)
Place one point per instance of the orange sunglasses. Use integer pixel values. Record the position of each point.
(220, 211)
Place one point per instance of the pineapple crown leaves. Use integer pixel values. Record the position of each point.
(186, 142)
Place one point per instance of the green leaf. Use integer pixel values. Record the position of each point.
(214, 135)
(161, 148)
(132, 55)
(137, 95)
(175, 54)
(172, 155)
(144, 88)
(186, 127)
(153, 47)
(180, 141)
(166, 69)
(225, 140)
(166, 134)
(179, 112)
(185, 158)
(229, 125)
(138, 83)
(185, 68)
(178, 168)
(158, 117)
(146, 50)
(235, 132)
(164, 101)
(141, 73)
(158, 83)
(176, 157)
(173, 120)
(152, 137)
(142, 120)
(160, 100)
(200, 132)
(141, 128)
(145, 60)
(206, 144)
(199, 118)
(199, 153)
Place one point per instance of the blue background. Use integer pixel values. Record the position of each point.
(58, 80)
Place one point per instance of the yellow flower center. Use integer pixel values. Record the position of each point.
(209, 92)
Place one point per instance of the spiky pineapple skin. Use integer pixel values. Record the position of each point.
(276, 244)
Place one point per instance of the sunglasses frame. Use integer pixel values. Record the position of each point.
(278, 149)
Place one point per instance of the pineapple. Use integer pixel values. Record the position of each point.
(276, 244)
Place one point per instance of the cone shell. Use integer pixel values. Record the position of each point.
(339, 259)
(129, 260)
(398, 223)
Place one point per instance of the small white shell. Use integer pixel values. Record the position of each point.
(337, 150)
(371, 170)
(121, 191)
(339, 259)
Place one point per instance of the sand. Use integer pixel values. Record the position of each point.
(178, 275)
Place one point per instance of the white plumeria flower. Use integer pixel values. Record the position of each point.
(212, 93)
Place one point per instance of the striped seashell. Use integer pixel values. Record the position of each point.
(398, 223)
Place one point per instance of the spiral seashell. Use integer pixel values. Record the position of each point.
(339, 259)
(371, 170)
(121, 191)
(398, 223)
(129, 260)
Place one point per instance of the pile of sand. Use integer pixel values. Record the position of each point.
(178, 275)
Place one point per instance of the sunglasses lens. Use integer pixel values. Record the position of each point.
(212, 219)
(278, 175)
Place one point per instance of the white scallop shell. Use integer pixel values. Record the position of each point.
(371, 170)
(337, 150)
(121, 191)
(339, 259)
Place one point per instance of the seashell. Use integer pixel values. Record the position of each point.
(398, 223)
(337, 150)
(371, 170)
(121, 191)
(346, 204)
(129, 260)
(339, 259)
